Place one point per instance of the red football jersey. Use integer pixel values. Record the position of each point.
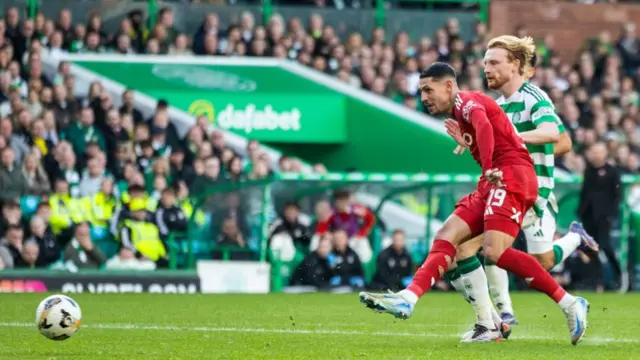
(472, 110)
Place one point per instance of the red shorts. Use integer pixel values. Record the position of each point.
(502, 209)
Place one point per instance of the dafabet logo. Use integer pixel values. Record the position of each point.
(249, 118)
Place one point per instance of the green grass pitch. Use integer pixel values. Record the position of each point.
(310, 326)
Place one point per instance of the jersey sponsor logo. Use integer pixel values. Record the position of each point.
(543, 111)
(466, 111)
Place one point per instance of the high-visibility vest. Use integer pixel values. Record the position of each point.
(187, 208)
(102, 209)
(145, 237)
(66, 211)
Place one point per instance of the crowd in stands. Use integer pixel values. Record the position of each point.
(66, 153)
(87, 184)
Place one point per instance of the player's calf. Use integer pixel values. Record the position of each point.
(547, 260)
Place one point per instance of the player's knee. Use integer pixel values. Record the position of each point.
(492, 252)
(547, 260)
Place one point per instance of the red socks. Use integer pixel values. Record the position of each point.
(433, 268)
(528, 268)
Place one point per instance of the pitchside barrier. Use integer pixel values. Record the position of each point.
(198, 263)
(256, 204)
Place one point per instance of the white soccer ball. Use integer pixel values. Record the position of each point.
(58, 317)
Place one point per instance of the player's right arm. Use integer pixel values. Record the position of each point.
(564, 145)
(475, 114)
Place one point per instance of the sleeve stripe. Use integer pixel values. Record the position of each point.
(541, 104)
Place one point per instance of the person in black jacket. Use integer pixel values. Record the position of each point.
(599, 202)
(345, 262)
(289, 232)
(50, 250)
(395, 267)
(315, 269)
(169, 217)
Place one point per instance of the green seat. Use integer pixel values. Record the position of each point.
(108, 246)
(99, 233)
(29, 205)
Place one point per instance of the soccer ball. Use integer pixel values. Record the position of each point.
(58, 317)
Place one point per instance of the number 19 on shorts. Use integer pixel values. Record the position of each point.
(496, 197)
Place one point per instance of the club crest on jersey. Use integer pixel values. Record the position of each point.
(468, 139)
(466, 110)
(516, 117)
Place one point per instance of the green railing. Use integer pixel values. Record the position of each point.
(429, 197)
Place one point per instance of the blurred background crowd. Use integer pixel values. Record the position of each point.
(77, 169)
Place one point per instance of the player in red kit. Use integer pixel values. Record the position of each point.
(506, 190)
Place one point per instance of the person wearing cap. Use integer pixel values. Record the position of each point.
(142, 236)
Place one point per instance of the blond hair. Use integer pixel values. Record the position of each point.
(520, 49)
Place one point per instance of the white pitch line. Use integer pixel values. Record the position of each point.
(588, 340)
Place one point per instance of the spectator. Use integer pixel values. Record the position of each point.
(84, 132)
(17, 143)
(211, 176)
(81, 253)
(395, 267)
(11, 246)
(168, 216)
(315, 269)
(126, 260)
(231, 238)
(49, 248)
(128, 106)
(345, 262)
(599, 203)
(13, 184)
(36, 178)
(353, 218)
(289, 233)
(28, 256)
(65, 210)
(179, 169)
(142, 236)
(94, 176)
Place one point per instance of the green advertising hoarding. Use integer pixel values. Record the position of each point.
(268, 118)
(299, 113)
(292, 111)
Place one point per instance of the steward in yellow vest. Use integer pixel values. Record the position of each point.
(65, 210)
(141, 235)
(103, 204)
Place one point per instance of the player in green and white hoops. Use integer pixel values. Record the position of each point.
(533, 115)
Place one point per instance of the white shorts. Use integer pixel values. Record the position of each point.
(540, 234)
